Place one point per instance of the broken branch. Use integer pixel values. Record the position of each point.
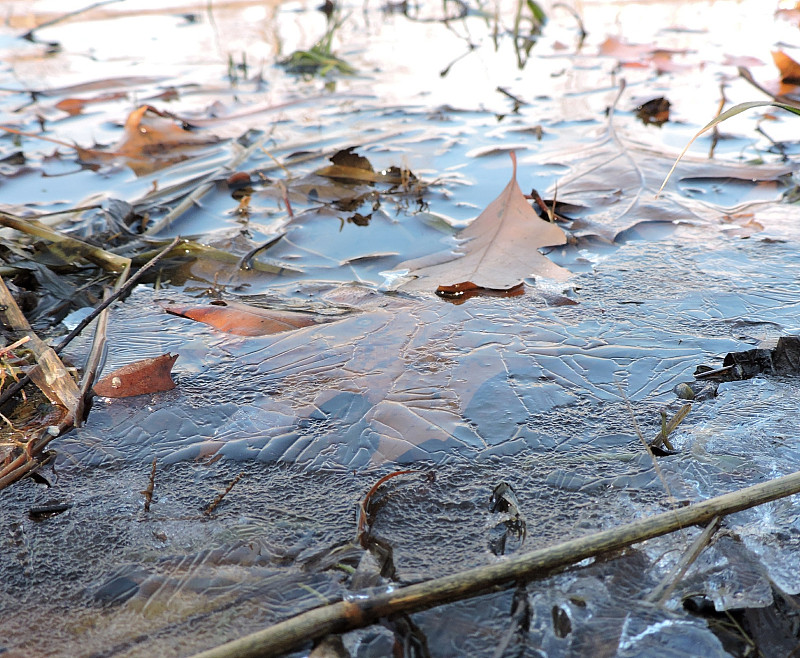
(348, 615)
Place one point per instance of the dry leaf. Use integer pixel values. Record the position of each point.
(349, 166)
(461, 292)
(242, 319)
(74, 106)
(499, 249)
(139, 378)
(639, 55)
(150, 132)
(789, 68)
(616, 47)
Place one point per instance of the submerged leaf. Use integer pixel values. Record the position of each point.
(151, 132)
(74, 106)
(139, 378)
(461, 292)
(242, 319)
(349, 158)
(152, 140)
(499, 248)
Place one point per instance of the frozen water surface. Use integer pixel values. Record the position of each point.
(529, 390)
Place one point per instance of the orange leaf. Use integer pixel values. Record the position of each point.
(499, 248)
(243, 320)
(139, 378)
(790, 69)
(616, 47)
(151, 140)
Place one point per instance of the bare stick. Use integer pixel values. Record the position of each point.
(646, 445)
(58, 19)
(219, 497)
(74, 247)
(13, 390)
(151, 484)
(348, 615)
(94, 361)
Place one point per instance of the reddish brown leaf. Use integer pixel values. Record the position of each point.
(499, 248)
(151, 140)
(639, 55)
(461, 292)
(74, 106)
(139, 378)
(242, 319)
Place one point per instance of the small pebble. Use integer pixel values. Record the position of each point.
(684, 391)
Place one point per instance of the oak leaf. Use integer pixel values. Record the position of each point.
(499, 248)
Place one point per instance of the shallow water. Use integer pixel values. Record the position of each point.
(528, 390)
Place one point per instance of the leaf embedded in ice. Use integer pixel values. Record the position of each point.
(242, 319)
(499, 248)
(139, 378)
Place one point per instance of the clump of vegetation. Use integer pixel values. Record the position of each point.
(319, 59)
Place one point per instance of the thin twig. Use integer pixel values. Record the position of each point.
(665, 588)
(713, 373)
(148, 493)
(63, 17)
(245, 261)
(219, 498)
(668, 427)
(93, 362)
(715, 132)
(362, 526)
(17, 343)
(285, 190)
(647, 446)
(348, 615)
